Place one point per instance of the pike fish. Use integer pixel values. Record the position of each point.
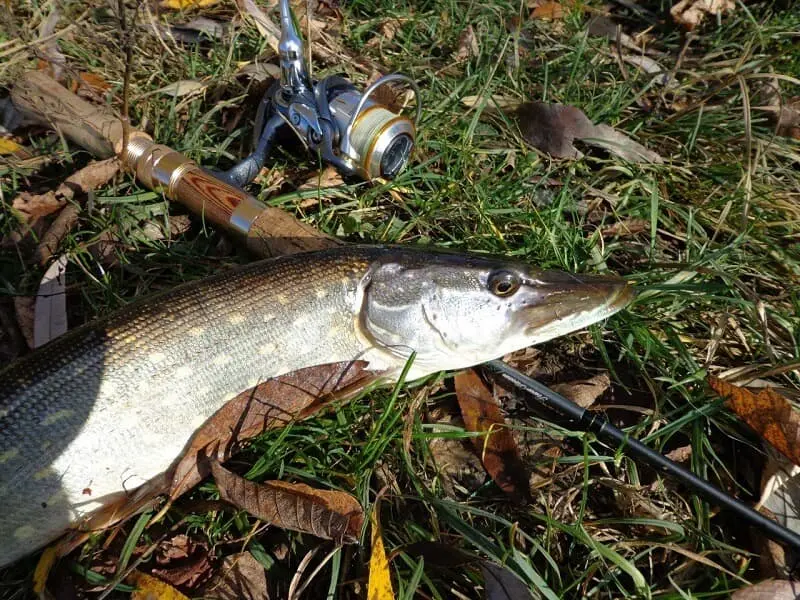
(111, 405)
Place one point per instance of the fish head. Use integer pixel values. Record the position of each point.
(453, 312)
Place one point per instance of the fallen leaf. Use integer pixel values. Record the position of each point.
(499, 582)
(94, 82)
(767, 412)
(380, 579)
(680, 455)
(266, 27)
(327, 514)
(50, 310)
(502, 584)
(584, 392)
(92, 176)
(260, 71)
(274, 403)
(549, 11)
(181, 88)
(386, 33)
(327, 178)
(182, 561)
(198, 29)
(770, 589)
(467, 44)
(553, 128)
(8, 146)
(186, 4)
(240, 577)
(626, 228)
(602, 26)
(497, 449)
(690, 13)
(150, 588)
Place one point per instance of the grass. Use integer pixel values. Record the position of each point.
(718, 263)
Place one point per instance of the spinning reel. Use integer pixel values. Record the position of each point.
(349, 129)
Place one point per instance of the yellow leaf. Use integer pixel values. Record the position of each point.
(184, 4)
(380, 580)
(43, 568)
(9, 146)
(150, 588)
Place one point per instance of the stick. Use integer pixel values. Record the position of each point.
(267, 230)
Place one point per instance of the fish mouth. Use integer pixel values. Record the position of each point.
(558, 303)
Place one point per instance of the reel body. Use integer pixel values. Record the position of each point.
(348, 128)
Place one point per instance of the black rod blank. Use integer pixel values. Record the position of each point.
(584, 420)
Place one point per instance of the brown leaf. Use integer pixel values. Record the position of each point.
(330, 515)
(388, 30)
(92, 176)
(584, 392)
(767, 412)
(497, 449)
(240, 577)
(94, 82)
(467, 44)
(626, 227)
(182, 561)
(770, 589)
(553, 128)
(274, 403)
(549, 11)
(690, 13)
(268, 29)
(681, 454)
(327, 178)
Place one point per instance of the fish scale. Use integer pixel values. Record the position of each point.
(96, 413)
(71, 410)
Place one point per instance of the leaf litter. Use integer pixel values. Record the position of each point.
(327, 514)
(496, 447)
(767, 412)
(553, 128)
(240, 577)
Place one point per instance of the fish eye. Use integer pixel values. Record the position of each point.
(503, 283)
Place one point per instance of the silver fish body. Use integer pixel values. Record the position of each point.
(111, 405)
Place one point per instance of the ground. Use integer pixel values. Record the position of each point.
(709, 235)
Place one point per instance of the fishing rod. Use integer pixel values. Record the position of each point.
(356, 135)
(577, 418)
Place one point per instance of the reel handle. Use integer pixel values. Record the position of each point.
(267, 230)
